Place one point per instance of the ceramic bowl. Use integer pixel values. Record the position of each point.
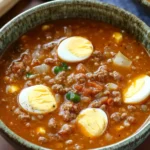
(63, 9)
(145, 3)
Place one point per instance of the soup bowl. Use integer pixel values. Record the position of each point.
(63, 9)
(145, 2)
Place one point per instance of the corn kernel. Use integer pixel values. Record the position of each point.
(45, 27)
(11, 88)
(119, 128)
(40, 130)
(24, 38)
(117, 36)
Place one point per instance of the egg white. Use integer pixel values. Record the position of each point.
(65, 54)
(142, 94)
(23, 101)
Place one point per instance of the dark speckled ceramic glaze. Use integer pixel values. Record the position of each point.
(145, 2)
(63, 9)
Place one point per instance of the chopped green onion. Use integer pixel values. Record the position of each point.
(28, 74)
(73, 97)
(57, 69)
(62, 67)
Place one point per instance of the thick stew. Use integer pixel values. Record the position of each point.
(75, 84)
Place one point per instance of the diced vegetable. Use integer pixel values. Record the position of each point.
(12, 89)
(62, 67)
(117, 36)
(73, 97)
(110, 101)
(121, 60)
(41, 69)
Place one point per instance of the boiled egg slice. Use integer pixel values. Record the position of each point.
(92, 122)
(37, 99)
(75, 49)
(138, 90)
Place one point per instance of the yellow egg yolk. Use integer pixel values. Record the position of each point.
(92, 124)
(134, 87)
(40, 98)
(80, 46)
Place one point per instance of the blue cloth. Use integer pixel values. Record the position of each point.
(134, 7)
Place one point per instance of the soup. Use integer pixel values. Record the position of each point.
(75, 84)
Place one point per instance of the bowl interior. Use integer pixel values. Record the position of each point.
(63, 9)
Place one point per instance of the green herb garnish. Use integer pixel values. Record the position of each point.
(73, 97)
(62, 67)
(28, 74)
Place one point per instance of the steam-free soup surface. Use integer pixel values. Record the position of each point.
(42, 96)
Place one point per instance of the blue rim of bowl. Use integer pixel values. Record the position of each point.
(143, 132)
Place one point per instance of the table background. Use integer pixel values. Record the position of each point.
(130, 5)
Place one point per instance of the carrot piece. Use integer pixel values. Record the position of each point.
(110, 101)
(78, 87)
(86, 91)
(96, 85)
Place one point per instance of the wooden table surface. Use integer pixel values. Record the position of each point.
(20, 7)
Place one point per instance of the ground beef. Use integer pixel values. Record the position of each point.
(81, 68)
(85, 99)
(78, 147)
(98, 102)
(117, 97)
(116, 76)
(54, 137)
(69, 142)
(70, 79)
(35, 62)
(103, 107)
(40, 117)
(124, 115)
(49, 61)
(102, 73)
(126, 123)
(90, 76)
(58, 88)
(28, 125)
(69, 110)
(66, 129)
(131, 119)
(18, 67)
(60, 77)
(116, 116)
(28, 83)
(131, 108)
(52, 123)
(47, 78)
(24, 117)
(26, 59)
(17, 111)
(97, 56)
(80, 77)
(42, 139)
(51, 81)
